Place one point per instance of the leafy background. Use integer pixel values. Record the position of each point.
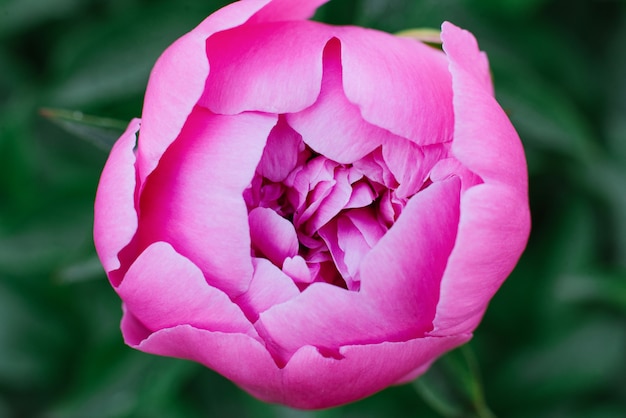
(553, 342)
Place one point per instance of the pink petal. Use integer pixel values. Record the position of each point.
(194, 199)
(410, 163)
(163, 289)
(362, 195)
(451, 166)
(462, 50)
(357, 371)
(492, 234)
(390, 208)
(399, 84)
(272, 235)
(115, 219)
(353, 244)
(495, 219)
(333, 126)
(335, 200)
(282, 152)
(311, 186)
(402, 273)
(323, 315)
(238, 357)
(177, 82)
(400, 280)
(269, 287)
(373, 167)
(484, 139)
(365, 221)
(277, 10)
(132, 329)
(296, 268)
(273, 68)
(330, 234)
(349, 238)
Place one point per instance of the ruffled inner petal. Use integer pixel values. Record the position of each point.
(335, 200)
(282, 153)
(410, 163)
(297, 269)
(272, 235)
(374, 167)
(349, 238)
(269, 287)
(452, 167)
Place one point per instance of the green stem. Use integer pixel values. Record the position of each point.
(478, 397)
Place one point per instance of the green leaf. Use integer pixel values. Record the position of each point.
(101, 132)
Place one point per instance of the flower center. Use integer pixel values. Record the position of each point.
(314, 218)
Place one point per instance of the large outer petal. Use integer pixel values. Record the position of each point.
(193, 199)
(495, 218)
(310, 380)
(115, 217)
(273, 68)
(179, 76)
(484, 138)
(314, 381)
(163, 289)
(277, 10)
(399, 84)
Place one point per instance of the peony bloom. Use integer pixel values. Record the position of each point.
(315, 212)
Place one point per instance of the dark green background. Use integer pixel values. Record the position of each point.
(553, 342)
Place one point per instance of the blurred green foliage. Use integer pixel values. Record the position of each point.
(553, 343)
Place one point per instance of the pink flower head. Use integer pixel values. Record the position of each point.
(315, 212)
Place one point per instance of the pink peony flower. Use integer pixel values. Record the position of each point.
(315, 212)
